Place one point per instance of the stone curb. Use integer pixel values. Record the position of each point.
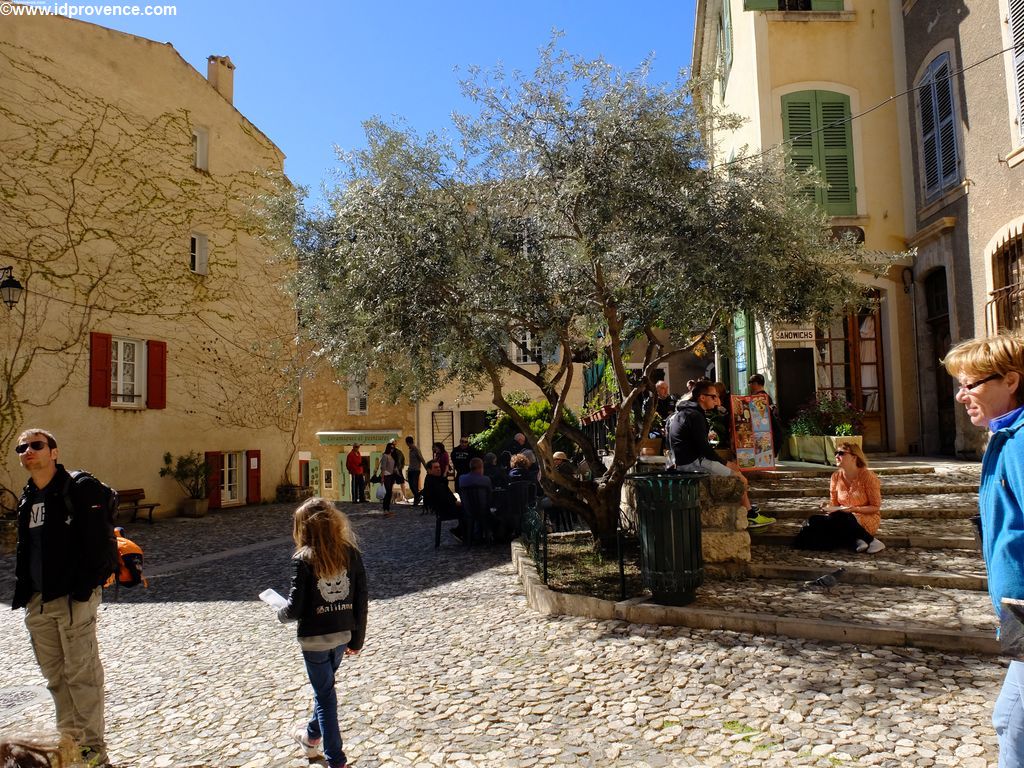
(888, 513)
(639, 611)
(887, 490)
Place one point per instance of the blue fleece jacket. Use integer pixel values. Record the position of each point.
(1002, 518)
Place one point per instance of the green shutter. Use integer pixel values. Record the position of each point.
(760, 5)
(798, 126)
(816, 125)
(827, 5)
(836, 153)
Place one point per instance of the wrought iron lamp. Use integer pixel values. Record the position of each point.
(10, 288)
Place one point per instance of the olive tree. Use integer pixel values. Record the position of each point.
(578, 204)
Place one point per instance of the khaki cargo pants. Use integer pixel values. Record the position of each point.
(63, 636)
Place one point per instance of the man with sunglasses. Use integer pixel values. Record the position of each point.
(60, 566)
(990, 374)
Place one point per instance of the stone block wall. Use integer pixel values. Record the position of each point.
(724, 538)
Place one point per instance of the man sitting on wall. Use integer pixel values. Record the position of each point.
(690, 450)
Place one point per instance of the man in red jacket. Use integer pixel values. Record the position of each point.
(354, 465)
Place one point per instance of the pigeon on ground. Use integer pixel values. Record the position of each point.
(826, 581)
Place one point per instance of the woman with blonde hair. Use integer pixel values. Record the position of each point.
(328, 598)
(853, 512)
(989, 372)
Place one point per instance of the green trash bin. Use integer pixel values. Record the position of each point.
(668, 517)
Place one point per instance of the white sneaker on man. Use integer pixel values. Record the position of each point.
(875, 547)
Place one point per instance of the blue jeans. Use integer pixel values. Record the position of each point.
(1008, 718)
(321, 667)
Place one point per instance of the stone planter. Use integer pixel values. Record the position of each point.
(195, 507)
(819, 449)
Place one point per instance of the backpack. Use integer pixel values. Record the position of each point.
(107, 562)
(130, 563)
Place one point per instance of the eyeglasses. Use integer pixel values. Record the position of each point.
(973, 385)
(35, 445)
(843, 453)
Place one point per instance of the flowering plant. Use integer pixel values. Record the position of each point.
(828, 414)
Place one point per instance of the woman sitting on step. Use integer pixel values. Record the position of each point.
(853, 512)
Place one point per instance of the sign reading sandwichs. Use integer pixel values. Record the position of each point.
(793, 335)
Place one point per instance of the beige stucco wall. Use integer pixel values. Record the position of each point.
(227, 333)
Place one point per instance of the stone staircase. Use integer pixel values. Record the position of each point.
(927, 588)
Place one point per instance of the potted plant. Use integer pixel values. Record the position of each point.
(191, 473)
(820, 425)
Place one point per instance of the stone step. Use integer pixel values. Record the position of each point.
(900, 533)
(888, 489)
(937, 569)
(788, 512)
(952, 620)
(777, 475)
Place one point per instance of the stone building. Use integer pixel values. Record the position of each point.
(805, 75)
(966, 130)
(153, 320)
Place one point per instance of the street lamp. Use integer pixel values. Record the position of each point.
(10, 288)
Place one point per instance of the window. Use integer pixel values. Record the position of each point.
(941, 167)
(198, 256)
(127, 373)
(127, 363)
(200, 149)
(816, 124)
(725, 45)
(527, 350)
(792, 5)
(230, 479)
(358, 396)
(1005, 308)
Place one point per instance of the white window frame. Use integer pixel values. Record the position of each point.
(527, 338)
(232, 479)
(358, 398)
(199, 253)
(127, 391)
(200, 148)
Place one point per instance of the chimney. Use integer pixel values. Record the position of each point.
(221, 74)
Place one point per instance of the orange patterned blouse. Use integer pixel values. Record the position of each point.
(863, 491)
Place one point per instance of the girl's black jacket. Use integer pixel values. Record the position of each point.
(325, 606)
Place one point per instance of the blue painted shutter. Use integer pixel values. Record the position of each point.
(938, 128)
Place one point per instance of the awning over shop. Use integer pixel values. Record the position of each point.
(361, 436)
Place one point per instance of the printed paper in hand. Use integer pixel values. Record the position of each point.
(273, 599)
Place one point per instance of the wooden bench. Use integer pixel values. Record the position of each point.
(133, 500)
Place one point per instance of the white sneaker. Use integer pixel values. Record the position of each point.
(862, 545)
(875, 547)
(312, 746)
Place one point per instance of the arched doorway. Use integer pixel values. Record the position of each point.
(936, 297)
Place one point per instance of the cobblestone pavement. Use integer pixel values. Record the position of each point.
(457, 671)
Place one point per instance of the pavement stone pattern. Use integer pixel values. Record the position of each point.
(457, 671)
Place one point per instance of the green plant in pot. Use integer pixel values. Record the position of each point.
(816, 429)
(191, 473)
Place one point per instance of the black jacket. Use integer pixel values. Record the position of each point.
(75, 541)
(688, 435)
(324, 606)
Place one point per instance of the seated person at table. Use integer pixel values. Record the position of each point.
(438, 497)
(853, 511)
(475, 478)
(497, 473)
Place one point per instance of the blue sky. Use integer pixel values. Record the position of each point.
(308, 74)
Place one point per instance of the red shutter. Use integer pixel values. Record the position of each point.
(100, 347)
(156, 374)
(252, 477)
(214, 459)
